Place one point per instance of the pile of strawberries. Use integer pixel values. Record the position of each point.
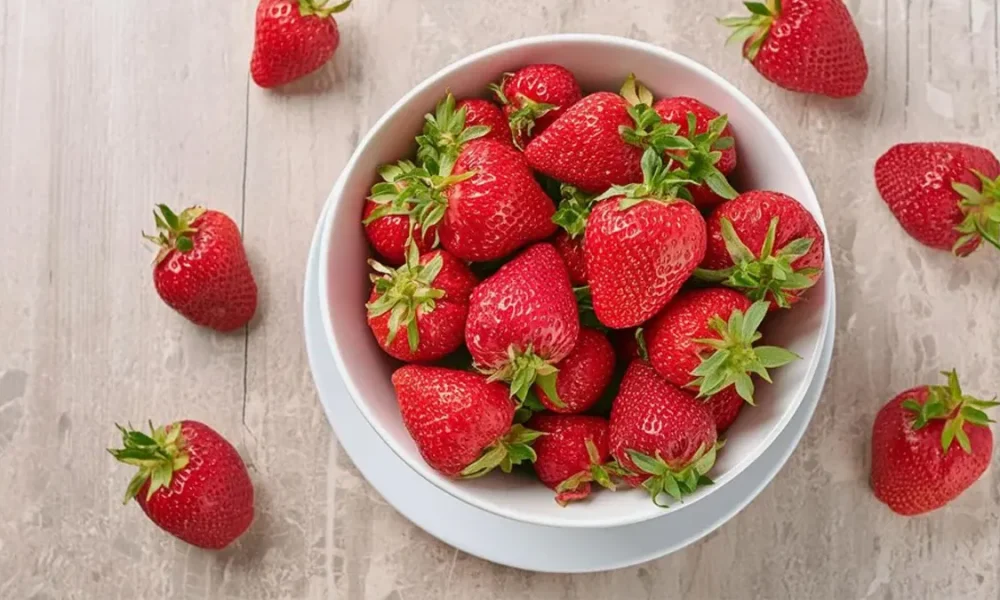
(577, 285)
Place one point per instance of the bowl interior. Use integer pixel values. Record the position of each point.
(600, 63)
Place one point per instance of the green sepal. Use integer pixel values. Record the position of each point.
(597, 472)
(444, 135)
(661, 183)
(406, 293)
(648, 130)
(956, 408)
(320, 9)
(512, 449)
(754, 27)
(574, 208)
(640, 343)
(733, 359)
(522, 370)
(766, 275)
(671, 481)
(158, 456)
(981, 210)
(704, 153)
(525, 111)
(585, 307)
(173, 231)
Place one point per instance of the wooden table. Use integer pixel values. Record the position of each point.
(108, 107)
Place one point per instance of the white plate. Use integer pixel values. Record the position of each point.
(517, 544)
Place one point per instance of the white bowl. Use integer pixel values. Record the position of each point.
(599, 63)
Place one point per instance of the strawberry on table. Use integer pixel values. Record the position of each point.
(929, 444)
(523, 320)
(660, 433)
(387, 218)
(807, 46)
(201, 270)
(582, 375)
(643, 242)
(534, 97)
(461, 422)
(572, 454)
(483, 113)
(946, 195)
(417, 311)
(292, 39)
(764, 244)
(571, 216)
(191, 482)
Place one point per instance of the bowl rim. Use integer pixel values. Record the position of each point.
(339, 205)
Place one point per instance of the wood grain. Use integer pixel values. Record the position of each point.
(108, 107)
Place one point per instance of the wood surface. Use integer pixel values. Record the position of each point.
(109, 106)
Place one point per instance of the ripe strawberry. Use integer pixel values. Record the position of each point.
(642, 244)
(479, 112)
(523, 320)
(571, 216)
(705, 338)
(724, 406)
(201, 270)
(292, 39)
(572, 453)
(946, 195)
(916, 467)
(661, 434)
(460, 421)
(765, 244)
(583, 374)
(191, 482)
(428, 298)
(534, 97)
(387, 211)
(807, 46)
(711, 134)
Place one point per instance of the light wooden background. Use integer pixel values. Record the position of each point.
(111, 105)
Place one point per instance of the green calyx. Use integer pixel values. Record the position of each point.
(444, 135)
(705, 153)
(574, 208)
(982, 212)
(733, 358)
(585, 307)
(949, 403)
(524, 369)
(672, 481)
(158, 456)
(320, 9)
(661, 183)
(648, 130)
(512, 449)
(640, 344)
(767, 274)
(755, 27)
(405, 293)
(173, 231)
(526, 111)
(599, 473)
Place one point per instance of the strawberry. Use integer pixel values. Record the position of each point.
(807, 46)
(201, 270)
(191, 482)
(583, 374)
(946, 195)
(642, 244)
(790, 243)
(572, 453)
(479, 112)
(428, 298)
(523, 320)
(661, 434)
(460, 421)
(534, 97)
(916, 467)
(598, 142)
(705, 338)
(724, 406)
(571, 216)
(387, 211)
(711, 134)
(292, 39)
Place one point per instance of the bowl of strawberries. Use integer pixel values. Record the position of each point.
(576, 280)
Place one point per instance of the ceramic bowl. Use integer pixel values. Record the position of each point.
(599, 63)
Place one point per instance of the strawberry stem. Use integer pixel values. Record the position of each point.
(523, 370)
(755, 27)
(512, 449)
(949, 403)
(158, 456)
(173, 231)
(444, 136)
(320, 9)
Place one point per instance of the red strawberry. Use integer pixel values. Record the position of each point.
(460, 422)
(386, 215)
(916, 467)
(583, 374)
(714, 139)
(704, 340)
(571, 216)
(484, 113)
(765, 244)
(201, 270)
(191, 482)
(523, 320)
(724, 406)
(427, 299)
(534, 97)
(572, 453)
(642, 244)
(946, 195)
(662, 434)
(807, 46)
(292, 39)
